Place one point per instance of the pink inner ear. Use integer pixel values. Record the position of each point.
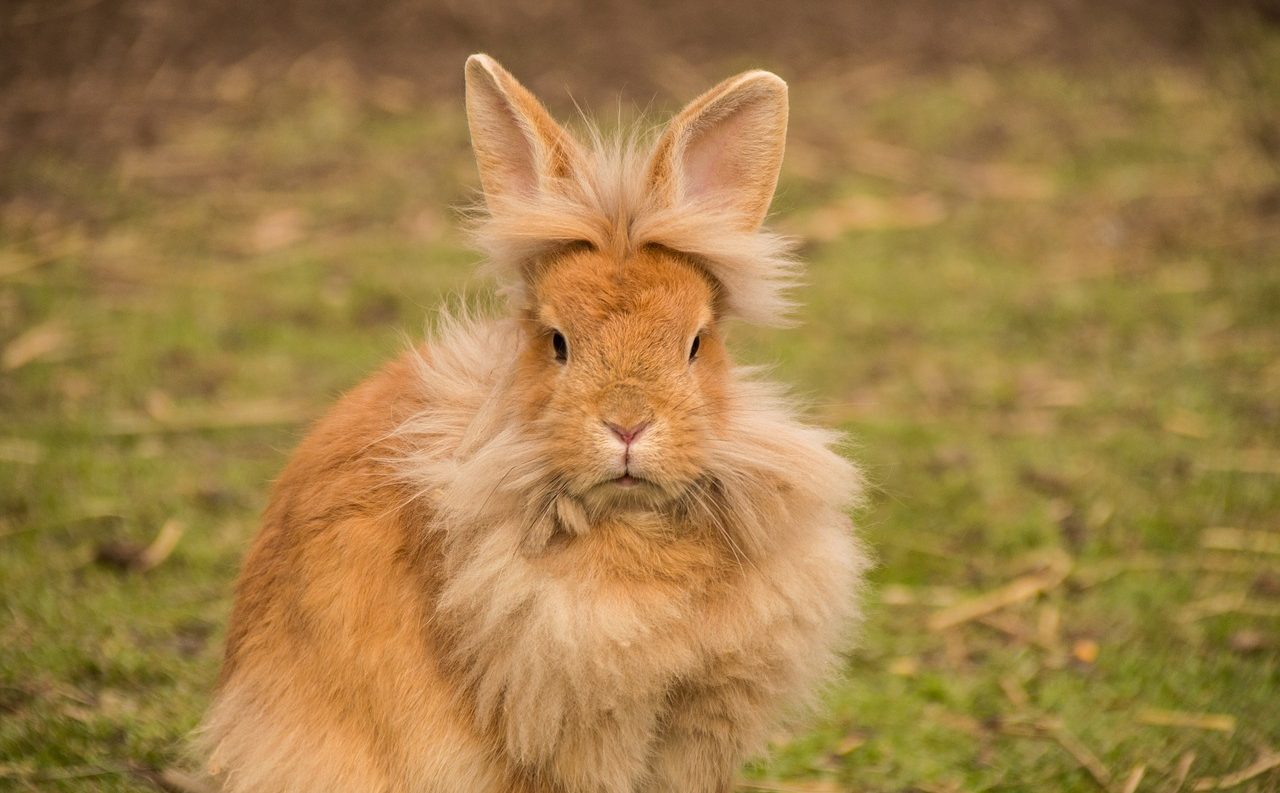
(510, 151)
(714, 158)
(521, 168)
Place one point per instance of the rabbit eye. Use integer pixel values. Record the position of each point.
(693, 348)
(560, 346)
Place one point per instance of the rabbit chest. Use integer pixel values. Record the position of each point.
(600, 637)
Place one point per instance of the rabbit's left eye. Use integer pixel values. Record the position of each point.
(560, 346)
(693, 348)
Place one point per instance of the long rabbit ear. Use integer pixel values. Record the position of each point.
(725, 148)
(519, 148)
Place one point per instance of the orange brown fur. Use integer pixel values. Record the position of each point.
(466, 581)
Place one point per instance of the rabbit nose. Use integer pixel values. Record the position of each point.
(627, 434)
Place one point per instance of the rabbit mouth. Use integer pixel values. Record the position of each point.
(625, 490)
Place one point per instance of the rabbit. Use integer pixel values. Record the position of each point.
(572, 548)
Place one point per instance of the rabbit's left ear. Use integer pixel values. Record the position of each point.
(724, 150)
(519, 148)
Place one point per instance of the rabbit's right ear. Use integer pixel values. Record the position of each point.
(519, 148)
(725, 148)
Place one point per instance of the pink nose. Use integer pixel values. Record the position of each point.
(627, 434)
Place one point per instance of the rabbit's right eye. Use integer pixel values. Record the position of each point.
(560, 345)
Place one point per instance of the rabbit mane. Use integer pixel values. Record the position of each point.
(609, 202)
(527, 655)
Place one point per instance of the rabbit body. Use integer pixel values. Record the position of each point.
(574, 550)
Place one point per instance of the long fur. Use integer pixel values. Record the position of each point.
(436, 603)
(610, 204)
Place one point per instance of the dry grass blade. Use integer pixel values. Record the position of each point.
(276, 230)
(900, 595)
(861, 212)
(1015, 692)
(12, 264)
(1049, 627)
(1134, 779)
(1182, 771)
(1227, 603)
(977, 179)
(1050, 729)
(20, 450)
(230, 417)
(141, 559)
(39, 342)
(1100, 572)
(1221, 603)
(1223, 538)
(1009, 627)
(769, 786)
(1268, 761)
(1186, 424)
(1245, 461)
(1156, 717)
(1016, 591)
(162, 546)
(1083, 755)
(87, 520)
(171, 780)
(65, 773)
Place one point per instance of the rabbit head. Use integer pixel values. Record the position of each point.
(620, 265)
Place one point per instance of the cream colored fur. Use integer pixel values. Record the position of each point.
(452, 593)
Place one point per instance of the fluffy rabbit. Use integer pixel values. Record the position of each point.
(573, 549)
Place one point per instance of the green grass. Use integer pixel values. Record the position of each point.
(1045, 305)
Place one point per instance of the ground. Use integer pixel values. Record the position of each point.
(1042, 301)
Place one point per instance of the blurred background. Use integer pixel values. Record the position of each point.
(1043, 242)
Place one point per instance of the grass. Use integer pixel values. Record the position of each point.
(1043, 303)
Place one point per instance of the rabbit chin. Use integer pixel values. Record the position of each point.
(629, 491)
